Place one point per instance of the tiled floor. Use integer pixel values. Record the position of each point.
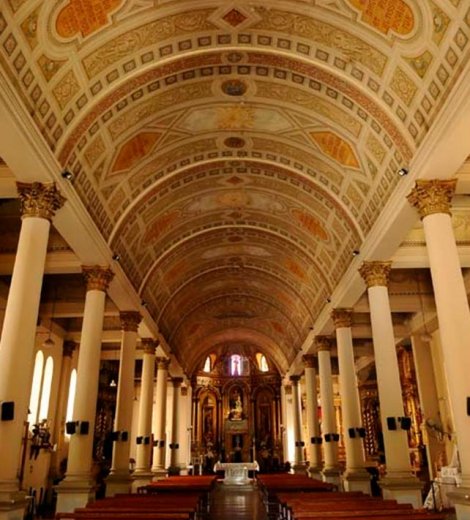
(237, 503)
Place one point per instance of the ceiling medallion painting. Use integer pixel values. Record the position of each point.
(386, 15)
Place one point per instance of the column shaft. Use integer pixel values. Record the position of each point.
(175, 444)
(313, 426)
(297, 423)
(160, 410)
(17, 343)
(144, 427)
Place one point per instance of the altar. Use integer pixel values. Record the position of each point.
(236, 473)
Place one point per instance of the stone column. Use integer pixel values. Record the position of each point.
(58, 435)
(299, 462)
(39, 202)
(433, 201)
(355, 478)
(399, 483)
(331, 470)
(313, 427)
(158, 468)
(142, 474)
(119, 479)
(175, 443)
(78, 487)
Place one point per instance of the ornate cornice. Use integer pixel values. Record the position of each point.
(163, 363)
(39, 200)
(433, 196)
(322, 343)
(149, 345)
(309, 360)
(130, 320)
(376, 273)
(97, 277)
(342, 318)
(68, 348)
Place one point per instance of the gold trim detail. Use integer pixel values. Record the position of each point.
(130, 320)
(97, 278)
(342, 318)
(376, 273)
(39, 200)
(433, 196)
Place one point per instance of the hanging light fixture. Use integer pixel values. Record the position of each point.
(49, 343)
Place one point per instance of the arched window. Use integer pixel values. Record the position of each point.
(235, 365)
(71, 397)
(207, 364)
(36, 389)
(262, 362)
(46, 388)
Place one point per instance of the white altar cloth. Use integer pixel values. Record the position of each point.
(236, 473)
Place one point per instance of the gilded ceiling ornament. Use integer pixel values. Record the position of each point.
(149, 345)
(39, 200)
(433, 196)
(376, 273)
(97, 277)
(309, 360)
(342, 318)
(130, 320)
(322, 343)
(163, 363)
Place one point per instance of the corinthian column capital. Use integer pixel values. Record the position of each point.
(97, 278)
(309, 360)
(322, 343)
(149, 345)
(433, 196)
(376, 273)
(130, 320)
(163, 363)
(39, 200)
(342, 318)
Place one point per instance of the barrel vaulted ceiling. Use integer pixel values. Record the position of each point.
(234, 154)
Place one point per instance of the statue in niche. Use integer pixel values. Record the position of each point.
(236, 406)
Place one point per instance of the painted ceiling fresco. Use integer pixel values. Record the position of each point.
(234, 154)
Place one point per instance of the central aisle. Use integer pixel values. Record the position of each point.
(236, 503)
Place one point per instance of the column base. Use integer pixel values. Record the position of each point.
(140, 478)
(315, 472)
(299, 468)
(13, 505)
(159, 474)
(403, 490)
(73, 493)
(460, 498)
(118, 482)
(332, 476)
(357, 480)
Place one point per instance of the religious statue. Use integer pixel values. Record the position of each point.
(236, 407)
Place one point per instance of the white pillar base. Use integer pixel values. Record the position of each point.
(118, 483)
(142, 478)
(332, 476)
(74, 493)
(12, 505)
(159, 474)
(299, 468)
(315, 472)
(358, 480)
(404, 490)
(460, 499)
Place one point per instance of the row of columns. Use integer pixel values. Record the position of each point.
(432, 199)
